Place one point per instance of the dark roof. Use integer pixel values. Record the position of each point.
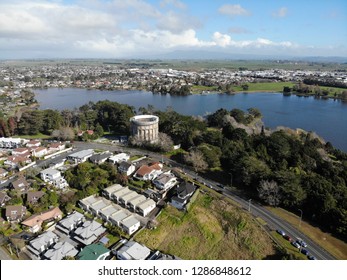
(185, 189)
(4, 197)
(125, 164)
(98, 157)
(20, 184)
(33, 197)
(15, 212)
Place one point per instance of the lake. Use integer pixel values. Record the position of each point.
(328, 118)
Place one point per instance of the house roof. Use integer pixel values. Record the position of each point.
(109, 210)
(21, 150)
(34, 196)
(82, 154)
(61, 250)
(43, 240)
(92, 252)
(98, 157)
(4, 197)
(164, 178)
(118, 216)
(89, 231)
(133, 251)
(143, 170)
(50, 171)
(15, 211)
(56, 145)
(137, 199)
(113, 188)
(185, 189)
(144, 205)
(38, 219)
(130, 221)
(125, 165)
(70, 220)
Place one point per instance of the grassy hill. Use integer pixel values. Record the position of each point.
(212, 229)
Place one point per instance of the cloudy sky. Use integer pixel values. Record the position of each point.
(144, 28)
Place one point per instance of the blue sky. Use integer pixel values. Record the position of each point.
(140, 28)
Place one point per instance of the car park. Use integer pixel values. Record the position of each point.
(281, 232)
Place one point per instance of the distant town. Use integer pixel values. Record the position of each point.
(17, 80)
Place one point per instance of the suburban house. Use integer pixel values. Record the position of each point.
(126, 167)
(20, 185)
(56, 147)
(122, 192)
(145, 207)
(3, 173)
(133, 251)
(130, 225)
(60, 250)
(53, 177)
(34, 196)
(43, 242)
(184, 192)
(108, 192)
(4, 198)
(100, 158)
(123, 200)
(117, 217)
(16, 161)
(165, 181)
(85, 203)
(81, 156)
(106, 212)
(23, 152)
(11, 143)
(132, 203)
(94, 252)
(88, 232)
(34, 223)
(96, 207)
(70, 222)
(39, 152)
(148, 172)
(119, 158)
(15, 213)
(33, 144)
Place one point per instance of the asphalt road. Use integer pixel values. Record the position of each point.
(273, 221)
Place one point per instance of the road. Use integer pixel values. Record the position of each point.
(273, 221)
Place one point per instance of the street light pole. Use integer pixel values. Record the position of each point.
(249, 205)
(300, 217)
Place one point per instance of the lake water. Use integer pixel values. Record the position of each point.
(326, 117)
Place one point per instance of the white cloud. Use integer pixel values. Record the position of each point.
(282, 12)
(238, 30)
(233, 10)
(176, 3)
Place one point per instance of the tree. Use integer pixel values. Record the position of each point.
(269, 192)
(64, 133)
(196, 159)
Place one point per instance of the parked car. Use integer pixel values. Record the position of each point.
(287, 237)
(305, 252)
(221, 186)
(310, 257)
(295, 244)
(301, 243)
(281, 232)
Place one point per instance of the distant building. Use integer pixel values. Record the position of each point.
(145, 128)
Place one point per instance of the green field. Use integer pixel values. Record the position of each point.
(212, 229)
(36, 136)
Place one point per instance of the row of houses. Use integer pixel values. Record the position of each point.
(110, 213)
(129, 199)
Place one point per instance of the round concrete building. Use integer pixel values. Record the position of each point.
(145, 127)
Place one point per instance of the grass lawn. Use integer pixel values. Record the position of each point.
(36, 136)
(333, 245)
(199, 89)
(213, 229)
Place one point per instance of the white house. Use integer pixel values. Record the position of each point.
(133, 251)
(39, 152)
(132, 203)
(108, 192)
(119, 158)
(50, 174)
(81, 156)
(130, 225)
(33, 143)
(70, 222)
(148, 172)
(40, 244)
(117, 217)
(145, 207)
(126, 167)
(11, 143)
(88, 232)
(184, 192)
(165, 181)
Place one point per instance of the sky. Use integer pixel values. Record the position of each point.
(33, 29)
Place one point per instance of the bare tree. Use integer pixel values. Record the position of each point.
(196, 159)
(64, 133)
(165, 142)
(269, 192)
